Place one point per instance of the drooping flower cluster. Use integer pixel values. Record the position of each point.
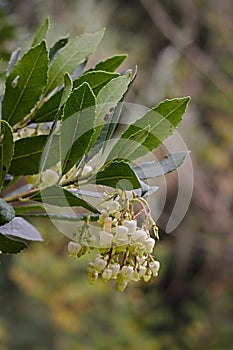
(121, 239)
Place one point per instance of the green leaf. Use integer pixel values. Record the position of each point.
(27, 209)
(170, 163)
(71, 56)
(41, 33)
(77, 125)
(109, 96)
(6, 149)
(111, 63)
(58, 196)
(25, 84)
(7, 212)
(57, 46)
(68, 85)
(20, 228)
(126, 148)
(49, 109)
(27, 156)
(116, 174)
(10, 246)
(96, 79)
(162, 121)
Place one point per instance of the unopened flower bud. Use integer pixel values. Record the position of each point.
(149, 245)
(147, 275)
(127, 271)
(139, 236)
(49, 177)
(142, 271)
(74, 248)
(154, 266)
(121, 236)
(121, 282)
(87, 170)
(106, 275)
(115, 269)
(91, 273)
(105, 239)
(99, 264)
(131, 225)
(113, 206)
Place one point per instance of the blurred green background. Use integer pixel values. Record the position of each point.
(181, 47)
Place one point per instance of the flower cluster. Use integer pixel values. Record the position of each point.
(121, 239)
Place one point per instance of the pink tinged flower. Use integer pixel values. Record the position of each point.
(107, 224)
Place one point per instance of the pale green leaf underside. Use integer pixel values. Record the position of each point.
(170, 163)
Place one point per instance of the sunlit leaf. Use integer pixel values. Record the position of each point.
(25, 84)
(73, 54)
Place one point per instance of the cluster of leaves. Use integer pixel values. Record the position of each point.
(80, 109)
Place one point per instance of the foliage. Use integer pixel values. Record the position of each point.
(57, 120)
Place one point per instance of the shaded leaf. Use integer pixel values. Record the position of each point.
(57, 46)
(10, 246)
(41, 33)
(25, 84)
(116, 174)
(7, 212)
(56, 195)
(170, 163)
(27, 155)
(18, 227)
(25, 209)
(111, 63)
(73, 54)
(6, 149)
(49, 109)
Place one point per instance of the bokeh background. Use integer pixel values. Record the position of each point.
(181, 47)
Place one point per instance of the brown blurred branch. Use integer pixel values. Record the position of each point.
(185, 44)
